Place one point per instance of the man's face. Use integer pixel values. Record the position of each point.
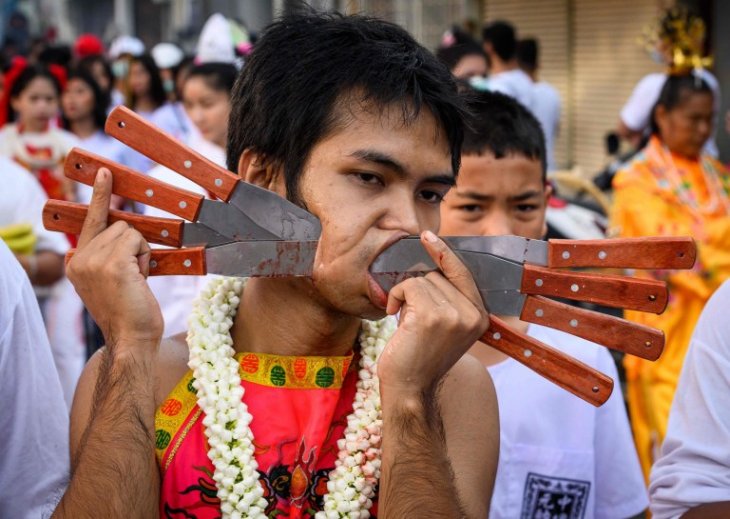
(495, 197)
(371, 183)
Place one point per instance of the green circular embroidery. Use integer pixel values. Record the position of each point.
(162, 438)
(325, 377)
(277, 376)
(191, 388)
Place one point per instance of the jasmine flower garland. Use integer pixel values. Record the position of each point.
(351, 485)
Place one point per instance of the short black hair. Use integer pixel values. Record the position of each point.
(101, 98)
(501, 35)
(675, 91)
(460, 45)
(528, 52)
(306, 64)
(219, 76)
(499, 124)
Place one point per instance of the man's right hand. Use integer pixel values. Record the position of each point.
(109, 271)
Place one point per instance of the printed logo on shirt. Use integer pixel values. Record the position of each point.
(547, 497)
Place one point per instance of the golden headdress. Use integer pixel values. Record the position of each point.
(682, 35)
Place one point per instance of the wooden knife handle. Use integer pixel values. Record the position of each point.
(68, 217)
(646, 295)
(172, 262)
(146, 138)
(572, 375)
(607, 330)
(82, 166)
(638, 253)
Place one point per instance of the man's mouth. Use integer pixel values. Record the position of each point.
(376, 293)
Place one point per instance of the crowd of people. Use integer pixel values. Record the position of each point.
(252, 398)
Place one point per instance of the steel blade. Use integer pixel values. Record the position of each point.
(199, 234)
(275, 214)
(514, 248)
(229, 221)
(263, 258)
(498, 280)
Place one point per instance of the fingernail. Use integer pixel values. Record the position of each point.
(431, 237)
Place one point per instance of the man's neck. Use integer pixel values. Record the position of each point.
(282, 317)
(497, 66)
(83, 127)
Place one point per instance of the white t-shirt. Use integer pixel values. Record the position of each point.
(514, 83)
(21, 201)
(560, 456)
(34, 465)
(694, 467)
(636, 113)
(546, 108)
(175, 294)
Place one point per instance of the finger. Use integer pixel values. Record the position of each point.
(98, 212)
(411, 290)
(451, 266)
(133, 245)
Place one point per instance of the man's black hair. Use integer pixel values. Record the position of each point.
(499, 124)
(675, 91)
(462, 45)
(528, 51)
(307, 67)
(501, 35)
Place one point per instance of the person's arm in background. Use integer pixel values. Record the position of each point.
(635, 116)
(43, 268)
(692, 475)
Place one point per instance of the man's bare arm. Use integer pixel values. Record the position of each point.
(719, 510)
(114, 472)
(440, 454)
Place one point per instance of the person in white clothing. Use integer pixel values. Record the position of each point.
(500, 44)
(206, 97)
(546, 99)
(559, 456)
(680, 35)
(34, 424)
(692, 477)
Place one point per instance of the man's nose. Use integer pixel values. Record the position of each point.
(497, 223)
(402, 215)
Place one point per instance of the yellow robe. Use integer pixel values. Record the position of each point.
(646, 203)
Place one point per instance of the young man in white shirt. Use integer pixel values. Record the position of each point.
(692, 477)
(559, 456)
(546, 99)
(505, 76)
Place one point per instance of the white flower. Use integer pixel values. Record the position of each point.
(226, 417)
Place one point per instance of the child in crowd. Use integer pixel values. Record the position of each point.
(559, 456)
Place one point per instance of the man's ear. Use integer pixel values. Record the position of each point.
(252, 168)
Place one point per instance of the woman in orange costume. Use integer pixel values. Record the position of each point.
(673, 189)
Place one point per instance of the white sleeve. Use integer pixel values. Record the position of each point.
(34, 466)
(636, 113)
(620, 488)
(694, 467)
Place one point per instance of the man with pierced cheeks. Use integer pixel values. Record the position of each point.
(350, 118)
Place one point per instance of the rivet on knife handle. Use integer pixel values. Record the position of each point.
(131, 129)
(638, 253)
(583, 381)
(82, 166)
(59, 215)
(645, 295)
(606, 330)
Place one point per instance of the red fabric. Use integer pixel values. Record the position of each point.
(88, 45)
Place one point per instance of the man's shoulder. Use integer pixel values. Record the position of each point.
(172, 364)
(467, 379)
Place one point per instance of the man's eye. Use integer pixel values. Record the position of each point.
(432, 197)
(527, 208)
(470, 208)
(368, 178)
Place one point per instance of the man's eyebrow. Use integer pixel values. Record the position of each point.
(486, 198)
(383, 159)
